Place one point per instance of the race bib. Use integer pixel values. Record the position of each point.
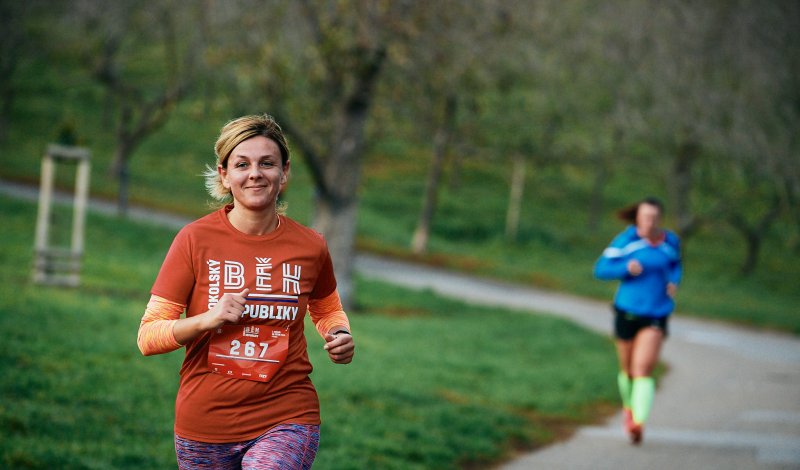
(250, 352)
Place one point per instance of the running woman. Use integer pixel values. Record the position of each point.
(245, 276)
(646, 260)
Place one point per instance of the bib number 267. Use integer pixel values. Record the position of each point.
(251, 349)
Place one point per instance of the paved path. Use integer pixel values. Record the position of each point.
(731, 399)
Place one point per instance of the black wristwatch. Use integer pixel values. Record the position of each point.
(342, 331)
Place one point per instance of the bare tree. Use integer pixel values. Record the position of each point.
(521, 126)
(448, 68)
(761, 128)
(115, 39)
(315, 66)
(466, 51)
(607, 53)
(680, 66)
(720, 77)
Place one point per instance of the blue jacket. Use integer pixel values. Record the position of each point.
(645, 294)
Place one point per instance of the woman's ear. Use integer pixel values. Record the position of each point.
(286, 170)
(223, 176)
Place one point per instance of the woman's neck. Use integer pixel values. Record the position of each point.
(253, 223)
(653, 235)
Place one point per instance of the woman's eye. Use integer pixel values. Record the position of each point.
(241, 165)
(266, 164)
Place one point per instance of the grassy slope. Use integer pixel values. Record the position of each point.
(435, 384)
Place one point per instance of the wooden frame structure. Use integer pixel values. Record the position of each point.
(58, 265)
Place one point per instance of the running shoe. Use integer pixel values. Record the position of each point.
(635, 432)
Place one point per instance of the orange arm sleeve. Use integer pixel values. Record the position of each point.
(155, 330)
(327, 313)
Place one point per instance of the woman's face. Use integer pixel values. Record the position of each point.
(254, 173)
(648, 219)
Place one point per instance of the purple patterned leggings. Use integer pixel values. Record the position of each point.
(284, 447)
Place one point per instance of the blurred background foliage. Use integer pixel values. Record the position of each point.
(493, 137)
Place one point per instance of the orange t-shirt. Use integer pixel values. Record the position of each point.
(209, 258)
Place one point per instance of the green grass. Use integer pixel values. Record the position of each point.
(435, 383)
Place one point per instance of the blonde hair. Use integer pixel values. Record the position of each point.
(234, 133)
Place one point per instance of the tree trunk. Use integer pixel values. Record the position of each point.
(5, 111)
(14, 46)
(603, 171)
(337, 218)
(337, 183)
(601, 175)
(7, 68)
(518, 171)
(419, 242)
(119, 165)
(454, 165)
(336, 210)
(120, 170)
(123, 176)
(792, 190)
(441, 142)
(8, 65)
(754, 235)
(682, 186)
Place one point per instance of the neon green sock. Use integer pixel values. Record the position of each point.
(624, 384)
(642, 394)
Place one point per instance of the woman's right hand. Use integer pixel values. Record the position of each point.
(228, 310)
(634, 267)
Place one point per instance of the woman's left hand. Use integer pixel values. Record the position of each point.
(340, 347)
(672, 289)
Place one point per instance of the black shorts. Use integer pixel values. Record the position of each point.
(626, 325)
